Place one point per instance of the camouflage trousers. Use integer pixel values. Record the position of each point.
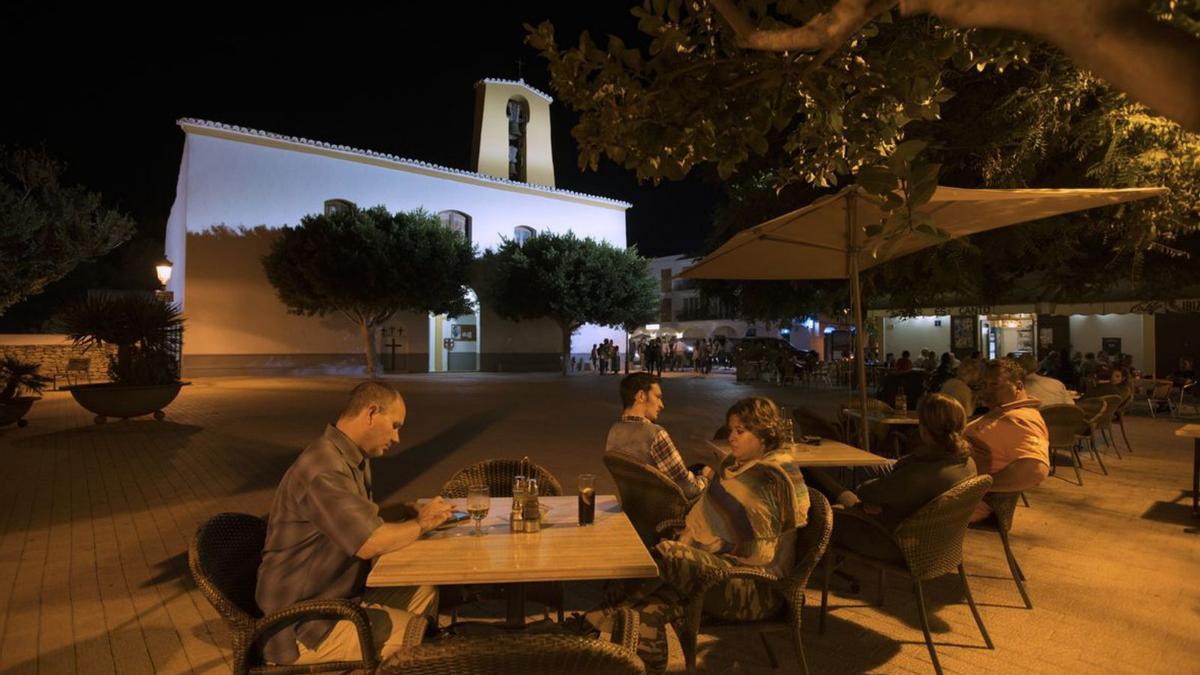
(662, 601)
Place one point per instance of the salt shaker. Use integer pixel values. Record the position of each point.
(516, 518)
(532, 512)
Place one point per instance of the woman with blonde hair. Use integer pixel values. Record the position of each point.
(899, 489)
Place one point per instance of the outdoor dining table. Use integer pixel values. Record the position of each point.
(562, 551)
(831, 453)
(1192, 431)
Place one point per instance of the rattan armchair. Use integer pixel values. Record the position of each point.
(1119, 418)
(223, 558)
(1094, 410)
(648, 496)
(540, 654)
(1066, 423)
(1004, 508)
(498, 475)
(1160, 394)
(811, 541)
(930, 543)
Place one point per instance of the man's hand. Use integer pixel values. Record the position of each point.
(708, 472)
(435, 512)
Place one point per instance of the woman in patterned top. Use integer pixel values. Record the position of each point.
(747, 516)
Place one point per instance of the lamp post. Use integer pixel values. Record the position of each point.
(163, 269)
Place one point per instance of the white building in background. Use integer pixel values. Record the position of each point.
(236, 186)
(684, 313)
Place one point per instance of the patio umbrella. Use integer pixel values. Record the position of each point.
(825, 240)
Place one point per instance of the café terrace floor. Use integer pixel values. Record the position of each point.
(95, 522)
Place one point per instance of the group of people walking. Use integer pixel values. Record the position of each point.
(606, 357)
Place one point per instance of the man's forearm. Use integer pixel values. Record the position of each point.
(389, 537)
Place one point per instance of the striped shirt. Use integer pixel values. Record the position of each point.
(644, 440)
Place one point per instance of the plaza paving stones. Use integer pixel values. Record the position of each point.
(95, 522)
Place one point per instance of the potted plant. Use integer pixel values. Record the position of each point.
(147, 333)
(18, 378)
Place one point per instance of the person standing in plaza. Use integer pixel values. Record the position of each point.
(595, 358)
(324, 531)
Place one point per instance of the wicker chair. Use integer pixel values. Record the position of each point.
(647, 495)
(1119, 418)
(1112, 404)
(498, 475)
(1094, 410)
(223, 558)
(1065, 423)
(1160, 395)
(539, 654)
(930, 542)
(811, 541)
(1004, 507)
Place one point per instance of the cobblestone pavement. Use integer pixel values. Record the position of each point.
(95, 521)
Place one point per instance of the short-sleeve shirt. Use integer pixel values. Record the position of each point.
(1010, 432)
(321, 516)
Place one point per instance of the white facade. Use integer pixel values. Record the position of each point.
(241, 178)
(916, 333)
(1089, 330)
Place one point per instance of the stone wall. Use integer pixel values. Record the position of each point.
(52, 352)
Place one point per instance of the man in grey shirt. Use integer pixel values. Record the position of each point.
(638, 436)
(324, 530)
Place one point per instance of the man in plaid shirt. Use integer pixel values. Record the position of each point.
(637, 435)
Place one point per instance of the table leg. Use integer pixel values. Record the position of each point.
(515, 596)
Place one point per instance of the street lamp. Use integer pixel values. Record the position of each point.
(163, 269)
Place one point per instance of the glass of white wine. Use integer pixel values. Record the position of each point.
(478, 502)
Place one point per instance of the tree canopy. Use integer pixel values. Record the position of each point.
(47, 228)
(368, 264)
(571, 281)
(899, 98)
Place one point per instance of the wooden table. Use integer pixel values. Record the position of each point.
(880, 417)
(1192, 431)
(562, 551)
(833, 453)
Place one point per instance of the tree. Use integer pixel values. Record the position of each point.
(993, 109)
(571, 281)
(367, 265)
(1122, 41)
(46, 228)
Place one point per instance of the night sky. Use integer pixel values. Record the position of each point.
(101, 86)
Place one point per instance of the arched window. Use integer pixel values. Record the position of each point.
(336, 206)
(458, 222)
(522, 233)
(518, 117)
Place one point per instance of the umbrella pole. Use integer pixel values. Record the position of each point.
(856, 293)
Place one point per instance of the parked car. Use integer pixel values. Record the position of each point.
(771, 348)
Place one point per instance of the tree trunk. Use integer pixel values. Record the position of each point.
(368, 335)
(566, 346)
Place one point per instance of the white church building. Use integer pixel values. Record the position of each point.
(237, 185)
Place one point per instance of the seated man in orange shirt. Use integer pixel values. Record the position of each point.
(1012, 430)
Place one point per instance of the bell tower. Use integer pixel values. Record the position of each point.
(512, 132)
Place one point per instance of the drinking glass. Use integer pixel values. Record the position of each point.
(587, 498)
(478, 502)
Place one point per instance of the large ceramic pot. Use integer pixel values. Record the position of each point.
(125, 401)
(14, 410)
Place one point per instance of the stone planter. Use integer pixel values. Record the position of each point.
(125, 401)
(15, 410)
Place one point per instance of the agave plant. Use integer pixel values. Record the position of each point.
(146, 331)
(20, 377)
